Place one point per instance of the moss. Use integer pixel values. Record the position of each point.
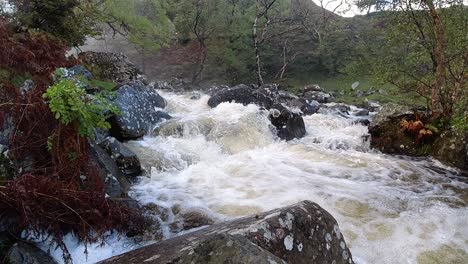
(105, 85)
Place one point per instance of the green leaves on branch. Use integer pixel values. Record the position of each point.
(71, 105)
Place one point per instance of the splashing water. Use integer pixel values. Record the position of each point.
(228, 161)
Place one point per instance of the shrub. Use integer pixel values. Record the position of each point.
(69, 103)
(61, 190)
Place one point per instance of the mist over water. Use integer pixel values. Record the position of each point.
(227, 162)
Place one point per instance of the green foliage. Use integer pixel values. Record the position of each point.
(70, 20)
(145, 22)
(71, 105)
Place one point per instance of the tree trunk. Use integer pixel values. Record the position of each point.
(201, 65)
(258, 69)
(440, 106)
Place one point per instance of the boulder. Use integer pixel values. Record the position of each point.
(111, 66)
(340, 109)
(388, 136)
(305, 107)
(115, 181)
(362, 112)
(140, 108)
(371, 106)
(242, 94)
(195, 218)
(362, 121)
(390, 112)
(312, 87)
(126, 160)
(452, 148)
(79, 70)
(23, 253)
(301, 233)
(318, 96)
(289, 125)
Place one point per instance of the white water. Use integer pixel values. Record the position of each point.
(227, 162)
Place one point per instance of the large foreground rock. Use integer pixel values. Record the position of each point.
(140, 108)
(301, 233)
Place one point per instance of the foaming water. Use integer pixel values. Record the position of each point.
(228, 162)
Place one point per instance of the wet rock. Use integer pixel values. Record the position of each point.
(341, 109)
(126, 160)
(390, 112)
(289, 125)
(194, 219)
(140, 108)
(116, 183)
(452, 148)
(388, 136)
(23, 253)
(318, 96)
(312, 87)
(111, 66)
(79, 70)
(285, 97)
(242, 94)
(305, 107)
(371, 106)
(301, 233)
(362, 121)
(362, 112)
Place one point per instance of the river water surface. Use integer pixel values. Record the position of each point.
(227, 162)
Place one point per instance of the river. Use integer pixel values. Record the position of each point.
(227, 162)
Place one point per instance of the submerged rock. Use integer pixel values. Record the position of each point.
(140, 108)
(301, 233)
(23, 253)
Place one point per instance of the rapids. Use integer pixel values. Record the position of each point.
(228, 162)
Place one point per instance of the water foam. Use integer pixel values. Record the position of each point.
(227, 162)
(391, 208)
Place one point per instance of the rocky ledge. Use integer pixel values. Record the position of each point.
(401, 130)
(301, 233)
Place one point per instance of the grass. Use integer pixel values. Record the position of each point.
(341, 87)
